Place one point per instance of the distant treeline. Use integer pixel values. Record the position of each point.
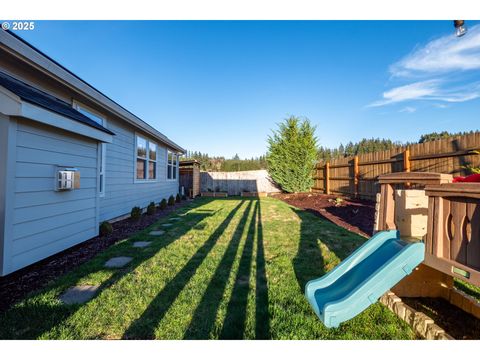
(365, 146)
(220, 163)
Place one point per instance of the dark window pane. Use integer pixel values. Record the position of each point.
(141, 147)
(169, 172)
(152, 167)
(152, 151)
(141, 168)
(174, 172)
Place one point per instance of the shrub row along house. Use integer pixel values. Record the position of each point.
(70, 157)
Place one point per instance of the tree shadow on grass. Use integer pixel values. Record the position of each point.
(234, 323)
(204, 317)
(33, 318)
(308, 264)
(337, 243)
(144, 327)
(262, 317)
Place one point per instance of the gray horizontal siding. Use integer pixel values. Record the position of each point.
(121, 191)
(46, 221)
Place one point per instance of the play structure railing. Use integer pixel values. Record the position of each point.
(453, 230)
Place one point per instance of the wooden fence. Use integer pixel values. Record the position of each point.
(357, 175)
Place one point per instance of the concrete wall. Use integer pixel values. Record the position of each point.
(237, 181)
(45, 221)
(121, 191)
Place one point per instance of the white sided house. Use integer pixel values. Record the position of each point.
(70, 158)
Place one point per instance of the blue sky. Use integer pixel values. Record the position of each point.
(221, 86)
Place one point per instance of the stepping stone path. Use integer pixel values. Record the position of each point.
(79, 294)
(141, 244)
(118, 262)
(167, 225)
(156, 232)
(175, 219)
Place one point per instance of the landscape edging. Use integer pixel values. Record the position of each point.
(423, 325)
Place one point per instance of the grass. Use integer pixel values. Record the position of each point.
(467, 288)
(229, 269)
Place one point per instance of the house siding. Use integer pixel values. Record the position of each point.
(122, 192)
(4, 153)
(45, 221)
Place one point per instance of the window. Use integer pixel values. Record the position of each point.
(172, 165)
(102, 148)
(146, 154)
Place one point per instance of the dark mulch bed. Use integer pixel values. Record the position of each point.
(16, 286)
(355, 215)
(453, 320)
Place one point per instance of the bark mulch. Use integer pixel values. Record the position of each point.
(16, 286)
(354, 215)
(455, 321)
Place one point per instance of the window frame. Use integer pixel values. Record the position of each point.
(173, 166)
(101, 147)
(147, 159)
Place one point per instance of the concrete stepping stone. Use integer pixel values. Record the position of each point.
(79, 294)
(118, 262)
(141, 244)
(175, 218)
(156, 232)
(167, 225)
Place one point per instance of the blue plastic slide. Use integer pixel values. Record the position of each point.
(364, 276)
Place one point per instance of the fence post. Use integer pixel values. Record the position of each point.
(406, 164)
(406, 160)
(326, 177)
(355, 175)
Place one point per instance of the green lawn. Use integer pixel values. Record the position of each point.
(230, 268)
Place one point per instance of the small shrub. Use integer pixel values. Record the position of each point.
(151, 208)
(470, 168)
(106, 228)
(136, 213)
(171, 200)
(337, 202)
(163, 204)
(178, 198)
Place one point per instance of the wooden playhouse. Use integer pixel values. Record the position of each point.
(446, 216)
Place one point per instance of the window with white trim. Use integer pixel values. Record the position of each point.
(172, 165)
(146, 156)
(102, 148)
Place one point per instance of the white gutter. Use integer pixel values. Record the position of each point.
(12, 105)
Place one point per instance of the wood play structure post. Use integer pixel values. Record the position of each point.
(452, 239)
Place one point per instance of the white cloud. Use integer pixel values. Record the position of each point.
(433, 89)
(445, 54)
(437, 64)
(408, 109)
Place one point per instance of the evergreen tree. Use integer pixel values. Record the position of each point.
(292, 155)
